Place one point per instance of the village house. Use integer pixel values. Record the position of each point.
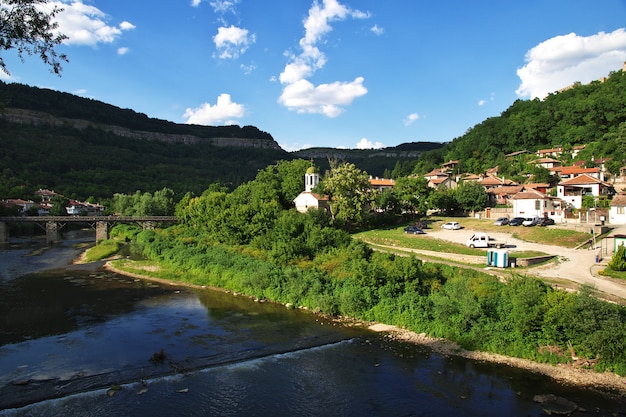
(548, 163)
(437, 173)
(22, 205)
(574, 171)
(450, 166)
(532, 203)
(491, 181)
(81, 208)
(572, 190)
(617, 211)
(502, 195)
(546, 153)
(381, 184)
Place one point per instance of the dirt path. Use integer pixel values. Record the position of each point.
(576, 265)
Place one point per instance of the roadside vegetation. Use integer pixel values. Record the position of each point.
(248, 241)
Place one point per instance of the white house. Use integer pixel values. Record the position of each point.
(308, 199)
(533, 203)
(617, 212)
(572, 190)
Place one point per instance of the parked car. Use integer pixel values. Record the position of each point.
(546, 221)
(516, 221)
(451, 226)
(501, 221)
(413, 230)
(531, 221)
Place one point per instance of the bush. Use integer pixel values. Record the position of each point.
(618, 263)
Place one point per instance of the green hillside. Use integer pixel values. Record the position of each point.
(592, 114)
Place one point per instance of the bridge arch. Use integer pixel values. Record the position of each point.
(102, 224)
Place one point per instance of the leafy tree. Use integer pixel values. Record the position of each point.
(444, 201)
(348, 188)
(144, 204)
(540, 174)
(28, 27)
(471, 196)
(412, 193)
(59, 203)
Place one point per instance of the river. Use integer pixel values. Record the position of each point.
(76, 340)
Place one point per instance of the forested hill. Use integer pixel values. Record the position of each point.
(72, 107)
(85, 148)
(593, 114)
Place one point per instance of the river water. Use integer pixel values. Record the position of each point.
(81, 341)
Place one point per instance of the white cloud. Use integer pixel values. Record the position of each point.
(223, 112)
(377, 30)
(127, 25)
(86, 25)
(365, 143)
(247, 69)
(563, 60)
(411, 118)
(481, 103)
(221, 6)
(303, 97)
(232, 41)
(123, 50)
(80, 92)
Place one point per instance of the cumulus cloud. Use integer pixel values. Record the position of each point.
(411, 118)
(301, 95)
(304, 97)
(222, 113)
(565, 59)
(377, 30)
(365, 143)
(232, 41)
(86, 25)
(123, 50)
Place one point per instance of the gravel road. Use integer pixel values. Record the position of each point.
(577, 265)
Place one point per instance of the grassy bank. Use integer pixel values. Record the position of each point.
(521, 317)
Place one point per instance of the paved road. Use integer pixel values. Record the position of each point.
(577, 265)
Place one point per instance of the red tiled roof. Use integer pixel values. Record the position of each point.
(382, 182)
(576, 170)
(581, 179)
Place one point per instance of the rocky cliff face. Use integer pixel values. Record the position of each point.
(36, 118)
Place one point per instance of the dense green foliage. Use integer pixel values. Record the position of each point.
(593, 114)
(161, 203)
(246, 242)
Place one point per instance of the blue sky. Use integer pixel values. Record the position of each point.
(335, 73)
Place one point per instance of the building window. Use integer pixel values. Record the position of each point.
(620, 210)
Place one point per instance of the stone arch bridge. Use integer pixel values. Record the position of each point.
(102, 224)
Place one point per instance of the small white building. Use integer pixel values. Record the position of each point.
(617, 212)
(308, 199)
(533, 203)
